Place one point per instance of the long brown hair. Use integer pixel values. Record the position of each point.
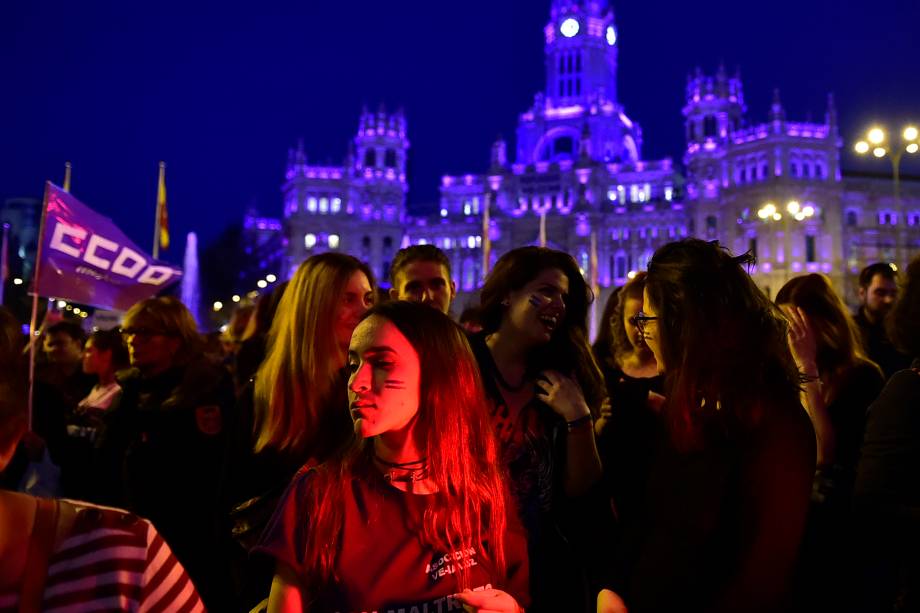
(903, 323)
(722, 341)
(839, 345)
(468, 508)
(302, 358)
(568, 350)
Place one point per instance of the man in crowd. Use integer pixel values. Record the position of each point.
(163, 444)
(878, 289)
(421, 273)
(63, 347)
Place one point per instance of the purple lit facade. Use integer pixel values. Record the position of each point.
(578, 165)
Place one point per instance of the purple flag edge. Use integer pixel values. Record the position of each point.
(87, 259)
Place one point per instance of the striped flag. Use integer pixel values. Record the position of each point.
(161, 239)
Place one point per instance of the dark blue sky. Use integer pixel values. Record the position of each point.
(220, 90)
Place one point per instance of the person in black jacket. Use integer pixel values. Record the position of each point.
(164, 442)
(887, 491)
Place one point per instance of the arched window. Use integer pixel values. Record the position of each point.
(469, 275)
(710, 128)
(712, 226)
(852, 218)
(387, 242)
(390, 159)
(370, 158)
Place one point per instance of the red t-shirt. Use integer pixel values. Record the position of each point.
(382, 564)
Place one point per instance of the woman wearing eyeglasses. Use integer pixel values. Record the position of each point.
(728, 490)
(629, 417)
(544, 387)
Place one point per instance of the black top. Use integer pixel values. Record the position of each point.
(721, 525)
(879, 349)
(627, 442)
(161, 450)
(860, 387)
(382, 564)
(888, 476)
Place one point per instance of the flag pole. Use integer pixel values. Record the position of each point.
(542, 238)
(161, 180)
(66, 185)
(33, 322)
(4, 262)
(486, 237)
(595, 285)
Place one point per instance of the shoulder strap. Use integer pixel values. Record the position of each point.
(44, 535)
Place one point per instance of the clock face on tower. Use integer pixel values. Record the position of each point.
(611, 35)
(569, 27)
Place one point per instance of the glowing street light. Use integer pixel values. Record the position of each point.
(235, 298)
(883, 146)
(271, 278)
(17, 281)
(262, 283)
(876, 136)
(218, 305)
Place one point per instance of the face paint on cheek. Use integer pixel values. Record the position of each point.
(538, 301)
(394, 384)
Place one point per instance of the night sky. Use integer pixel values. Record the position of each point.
(221, 90)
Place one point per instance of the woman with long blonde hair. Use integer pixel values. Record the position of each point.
(295, 410)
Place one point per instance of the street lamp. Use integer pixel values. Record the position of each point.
(794, 210)
(882, 144)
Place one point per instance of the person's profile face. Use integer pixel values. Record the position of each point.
(650, 329)
(60, 348)
(384, 378)
(538, 309)
(426, 282)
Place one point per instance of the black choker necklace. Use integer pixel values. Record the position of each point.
(413, 463)
(405, 472)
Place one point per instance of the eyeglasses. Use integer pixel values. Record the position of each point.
(640, 321)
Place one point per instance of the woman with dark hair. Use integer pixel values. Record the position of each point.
(544, 388)
(728, 491)
(294, 410)
(104, 354)
(839, 385)
(629, 419)
(413, 515)
(887, 491)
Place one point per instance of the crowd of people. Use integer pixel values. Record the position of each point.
(350, 450)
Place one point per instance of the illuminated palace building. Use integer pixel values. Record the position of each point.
(578, 182)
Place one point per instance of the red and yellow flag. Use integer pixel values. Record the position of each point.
(162, 214)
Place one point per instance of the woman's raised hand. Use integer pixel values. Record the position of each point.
(562, 394)
(801, 338)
